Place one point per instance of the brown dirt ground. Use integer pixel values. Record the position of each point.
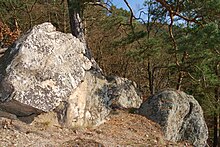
(122, 129)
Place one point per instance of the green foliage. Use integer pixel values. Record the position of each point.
(130, 38)
(202, 45)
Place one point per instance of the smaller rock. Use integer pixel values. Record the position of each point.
(179, 115)
(123, 93)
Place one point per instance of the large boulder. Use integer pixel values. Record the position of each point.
(49, 71)
(41, 69)
(44, 71)
(179, 115)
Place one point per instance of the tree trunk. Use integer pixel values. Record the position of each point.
(181, 73)
(150, 77)
(76, 24)
(179, 80)
(216, 135)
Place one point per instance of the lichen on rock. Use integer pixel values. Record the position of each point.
(42, 68)
(48, 71)
(179, 115)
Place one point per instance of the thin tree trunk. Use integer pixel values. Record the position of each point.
(216, 135)
(216, 131)
(150, 77)
(64, 17)
(179, 81)
(181, 73)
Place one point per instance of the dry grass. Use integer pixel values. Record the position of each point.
(123, 129)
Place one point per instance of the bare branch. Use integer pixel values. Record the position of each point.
(32, 6)
(217, 51)
(131, 11)
(103, 5)
(198, 80)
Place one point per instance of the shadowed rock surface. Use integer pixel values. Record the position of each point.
(179, 115)
(88, 104)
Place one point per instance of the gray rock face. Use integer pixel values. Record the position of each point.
(48, 71)
(123, 93)
(41, 69)
(179, 115)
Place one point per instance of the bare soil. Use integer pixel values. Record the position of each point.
(122, 129)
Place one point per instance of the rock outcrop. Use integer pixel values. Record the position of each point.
(46, 70)
(179, 115)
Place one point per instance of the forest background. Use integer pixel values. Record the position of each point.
(165, 44)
